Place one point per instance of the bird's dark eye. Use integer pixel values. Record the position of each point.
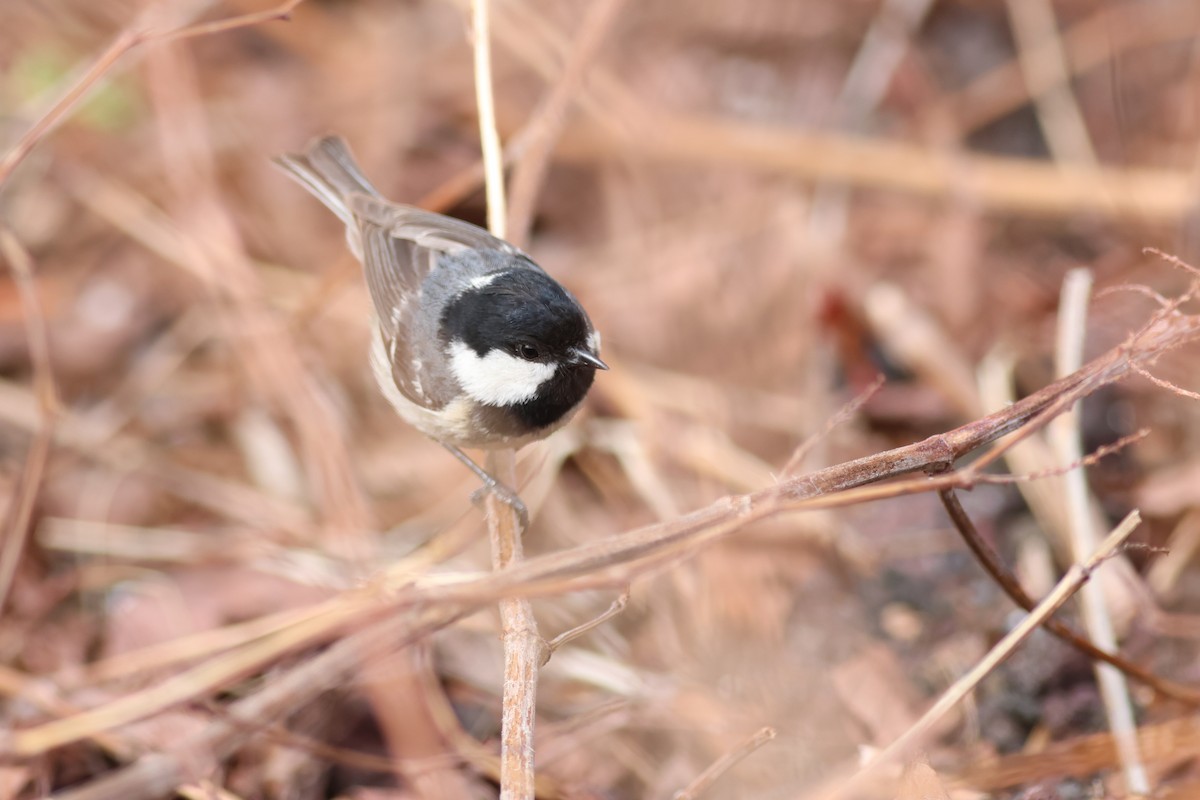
(528, 352)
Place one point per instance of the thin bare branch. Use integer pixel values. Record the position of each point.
(709, 776)
(1007, 581)
(843, 414)
(568, 636)
(523, 646)
(20, 511)
(1165, 384)
(489, 137)
(1044, 63)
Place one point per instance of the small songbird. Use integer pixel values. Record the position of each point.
(472, 343)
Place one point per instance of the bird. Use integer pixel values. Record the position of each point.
(472, 343)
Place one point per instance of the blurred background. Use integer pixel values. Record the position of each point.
(763, 206)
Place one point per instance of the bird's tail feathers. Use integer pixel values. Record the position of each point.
(328, 170)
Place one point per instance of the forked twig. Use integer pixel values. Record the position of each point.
(1008, 582)
(1090, 460)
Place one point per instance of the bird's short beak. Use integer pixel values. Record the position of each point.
(584, 357)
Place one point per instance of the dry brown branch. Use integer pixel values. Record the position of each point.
(617, 560)
(17, 518)
(127, 40)
(1090, 460)
(568, 636)
(523, 645)
(999, 184)
(1165, 384)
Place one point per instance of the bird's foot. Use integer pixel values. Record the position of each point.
(504, 495)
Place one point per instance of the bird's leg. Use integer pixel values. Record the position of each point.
(503, 493)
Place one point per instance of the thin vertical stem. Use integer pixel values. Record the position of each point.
(522, 644)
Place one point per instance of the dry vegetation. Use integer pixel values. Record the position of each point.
(228, 570)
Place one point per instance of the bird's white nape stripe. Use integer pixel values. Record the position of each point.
(480, 281)
(593, 342)
(497, 378)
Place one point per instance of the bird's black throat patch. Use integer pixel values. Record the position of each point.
(565, 389)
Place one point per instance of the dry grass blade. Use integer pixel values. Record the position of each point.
(1001, 184)
(271, 359)
(489, 137)
(17, 519)
(1044, 63)
(157, 774)
(184, 686)
(1066, 437)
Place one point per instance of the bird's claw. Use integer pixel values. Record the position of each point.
(504, 495)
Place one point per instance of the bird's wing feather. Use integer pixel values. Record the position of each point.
(394, 269)
(426, 228)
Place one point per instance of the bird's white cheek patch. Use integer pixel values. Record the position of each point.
(497, 379)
